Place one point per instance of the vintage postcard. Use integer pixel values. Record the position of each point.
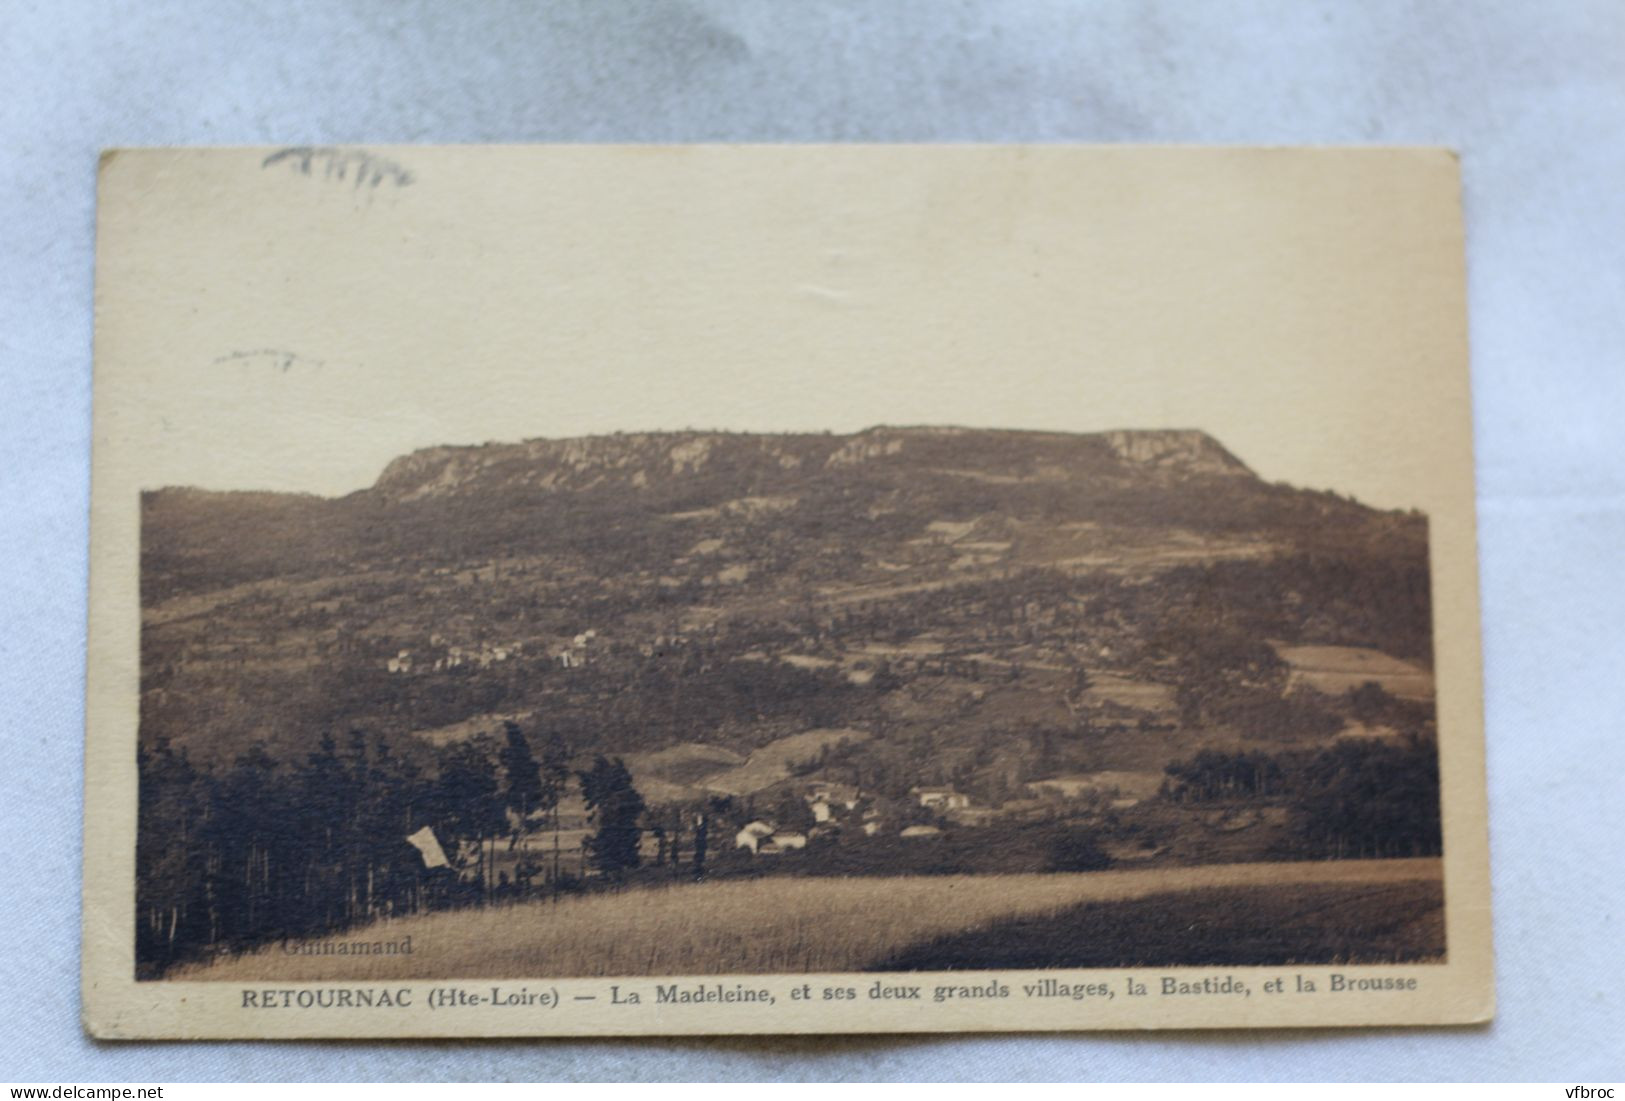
(658, 590)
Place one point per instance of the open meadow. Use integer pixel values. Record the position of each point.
(1327, 911)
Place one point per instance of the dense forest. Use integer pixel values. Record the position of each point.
(268, 850)
(1352, 800)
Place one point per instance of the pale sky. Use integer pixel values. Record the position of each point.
(263, 328)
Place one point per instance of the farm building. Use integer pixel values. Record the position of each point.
(1124, 788)
(781, 842)
(913, 832)
(765, 840)
(971, 816)
(835, 794)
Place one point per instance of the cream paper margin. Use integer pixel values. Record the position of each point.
(1307, 307)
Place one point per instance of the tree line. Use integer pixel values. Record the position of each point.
(267, 849)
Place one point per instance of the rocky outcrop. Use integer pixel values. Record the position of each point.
(638, 461)
(1186, 450)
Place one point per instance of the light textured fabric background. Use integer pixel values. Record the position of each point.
(1533, 94)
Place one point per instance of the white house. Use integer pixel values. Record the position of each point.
(912, 832)
(941, 798)
(428, 847)
(752, 836)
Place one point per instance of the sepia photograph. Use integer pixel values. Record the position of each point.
(921, 698)
(766, 588)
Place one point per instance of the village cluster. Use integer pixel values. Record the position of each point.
(836, 807)
(441, 655)
(447, 656)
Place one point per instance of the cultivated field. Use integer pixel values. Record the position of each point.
(772, 763)
(1333, 670)
(1366, 910)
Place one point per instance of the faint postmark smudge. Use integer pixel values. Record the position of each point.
(359, 168)
(279, 359)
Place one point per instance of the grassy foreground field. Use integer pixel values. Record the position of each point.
(1305, 912)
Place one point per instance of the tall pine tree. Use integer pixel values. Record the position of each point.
(616, 808)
